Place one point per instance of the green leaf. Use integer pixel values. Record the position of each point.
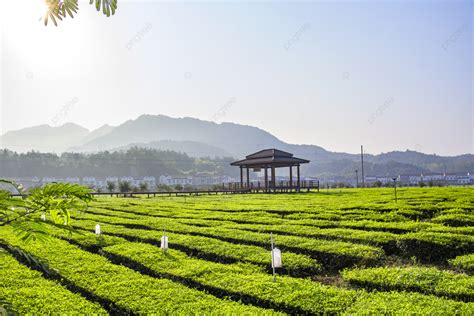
(68, 10)
(17, 186)
(57, 199)
(56, 9)
(28, 230)
(108, 6)
(6, 308)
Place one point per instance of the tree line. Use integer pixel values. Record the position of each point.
(134, 162)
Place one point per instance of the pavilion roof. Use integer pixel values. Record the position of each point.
(270, 158)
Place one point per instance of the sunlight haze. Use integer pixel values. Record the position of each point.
(332, 74)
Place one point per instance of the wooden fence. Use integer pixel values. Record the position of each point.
(227, 188)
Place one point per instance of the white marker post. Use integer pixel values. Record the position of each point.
(164, 240)
(97, 230)
(43, 217)
(276, 258)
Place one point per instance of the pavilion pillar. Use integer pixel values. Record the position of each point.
(291, 177)
(241, 176)
(248, 178)
(266, 179)
(273, 178)
(298, 175)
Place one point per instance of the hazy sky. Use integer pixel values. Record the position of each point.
(389, 75)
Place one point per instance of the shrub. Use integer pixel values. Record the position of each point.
(208, 248)
(435, 247)
(402, 303)
(465, 262)
(240, 282)
(128, 290)
(29, 293)
(427, 280)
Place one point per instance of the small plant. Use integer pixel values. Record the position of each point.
(57, 200)
(60, 9)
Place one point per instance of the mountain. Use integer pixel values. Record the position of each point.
(233, 138)
(101, 131)
(344, 169)
(200, 138)
(194, 149)
(430, 163)
(43, 138)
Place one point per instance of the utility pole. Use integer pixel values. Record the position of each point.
(357, 178)
(395, 187)
(362, 162)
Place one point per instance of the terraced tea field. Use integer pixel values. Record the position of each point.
(343, 252)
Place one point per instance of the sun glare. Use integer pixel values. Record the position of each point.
(32, 10)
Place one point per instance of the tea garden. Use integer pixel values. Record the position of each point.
(349, 251)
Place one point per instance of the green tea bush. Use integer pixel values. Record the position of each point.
(455, 218)
(29, 293)
(130, 291)
(428, 280)
(383, 239)
(211, 248)
(465, 262)
(334, 254)
(435, 247)
(463, 230)
(403, 303)
(219, 256)
(240, 282)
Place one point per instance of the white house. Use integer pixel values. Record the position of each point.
(169, 180)
(464, 179)
(150, 182)
(415, 179)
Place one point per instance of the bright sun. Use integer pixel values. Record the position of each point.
(24, 10)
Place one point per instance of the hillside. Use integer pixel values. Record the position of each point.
(194, 149)
(198, 138)
(233, 138)
(101, 131)
(44, 138)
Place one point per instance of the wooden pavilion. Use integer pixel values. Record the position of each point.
(270, 159)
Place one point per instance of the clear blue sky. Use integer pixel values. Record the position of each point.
(390, 75)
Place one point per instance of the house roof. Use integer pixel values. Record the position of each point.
(270, 158)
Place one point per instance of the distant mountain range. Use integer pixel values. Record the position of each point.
(200, 138)
(44, 138)
(193, 149)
